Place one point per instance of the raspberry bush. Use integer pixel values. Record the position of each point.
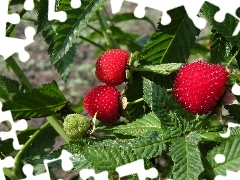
(154, 99)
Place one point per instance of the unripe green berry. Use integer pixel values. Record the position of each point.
(76, 125)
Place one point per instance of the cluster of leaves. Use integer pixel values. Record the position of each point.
(157, 126)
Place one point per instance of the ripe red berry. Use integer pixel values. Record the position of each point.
(199, 85)
(104, 100)
(111, 67)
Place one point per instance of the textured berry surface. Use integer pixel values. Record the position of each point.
(199, 85)
(111, 67)
(76, 125)
(104, 100)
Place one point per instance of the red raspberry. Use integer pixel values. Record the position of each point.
(199, 85)
(111, 67)
(104, 100)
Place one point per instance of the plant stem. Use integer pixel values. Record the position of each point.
(19, 73)
(12, 26)
(18, 157)
(58, 127)
(107, 33)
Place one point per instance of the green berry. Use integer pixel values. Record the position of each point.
(76, 125)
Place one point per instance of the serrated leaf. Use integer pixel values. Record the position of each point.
(68, 32)
(186, 157)
(42, 17)
(8, 87)
(101, 158)
(40, 102)
(172, 124)
(65, 64)
(154, 95)
(148, 123)
(225, 28)
(231, 151)
(171, 43)
(218, 47)
(108, 154)
(48, 34)
(157, 98)
(147, 147)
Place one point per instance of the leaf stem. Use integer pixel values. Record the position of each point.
(107, 33)
(16, 168)
(96, 30)
(136, 101)
(92, 42)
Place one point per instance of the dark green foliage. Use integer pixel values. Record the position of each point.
(171, 43)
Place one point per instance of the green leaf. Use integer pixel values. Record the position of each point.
(225, 28)
(108, 154)
(157, 98)
(42, 17)
(68, 32)
(147, 146)
(171, 43)
(64, 65)
(146, 124)
(218, 47)
(186, 157)
(231, 150)
(48, 34)
(8, 87)
(154, 95)
(40, 102)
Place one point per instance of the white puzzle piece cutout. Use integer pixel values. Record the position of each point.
(66, 166)
(192, 8)
(137, 167)
(7, 162)
(20, 125)
(13, 45)
(87, 173)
